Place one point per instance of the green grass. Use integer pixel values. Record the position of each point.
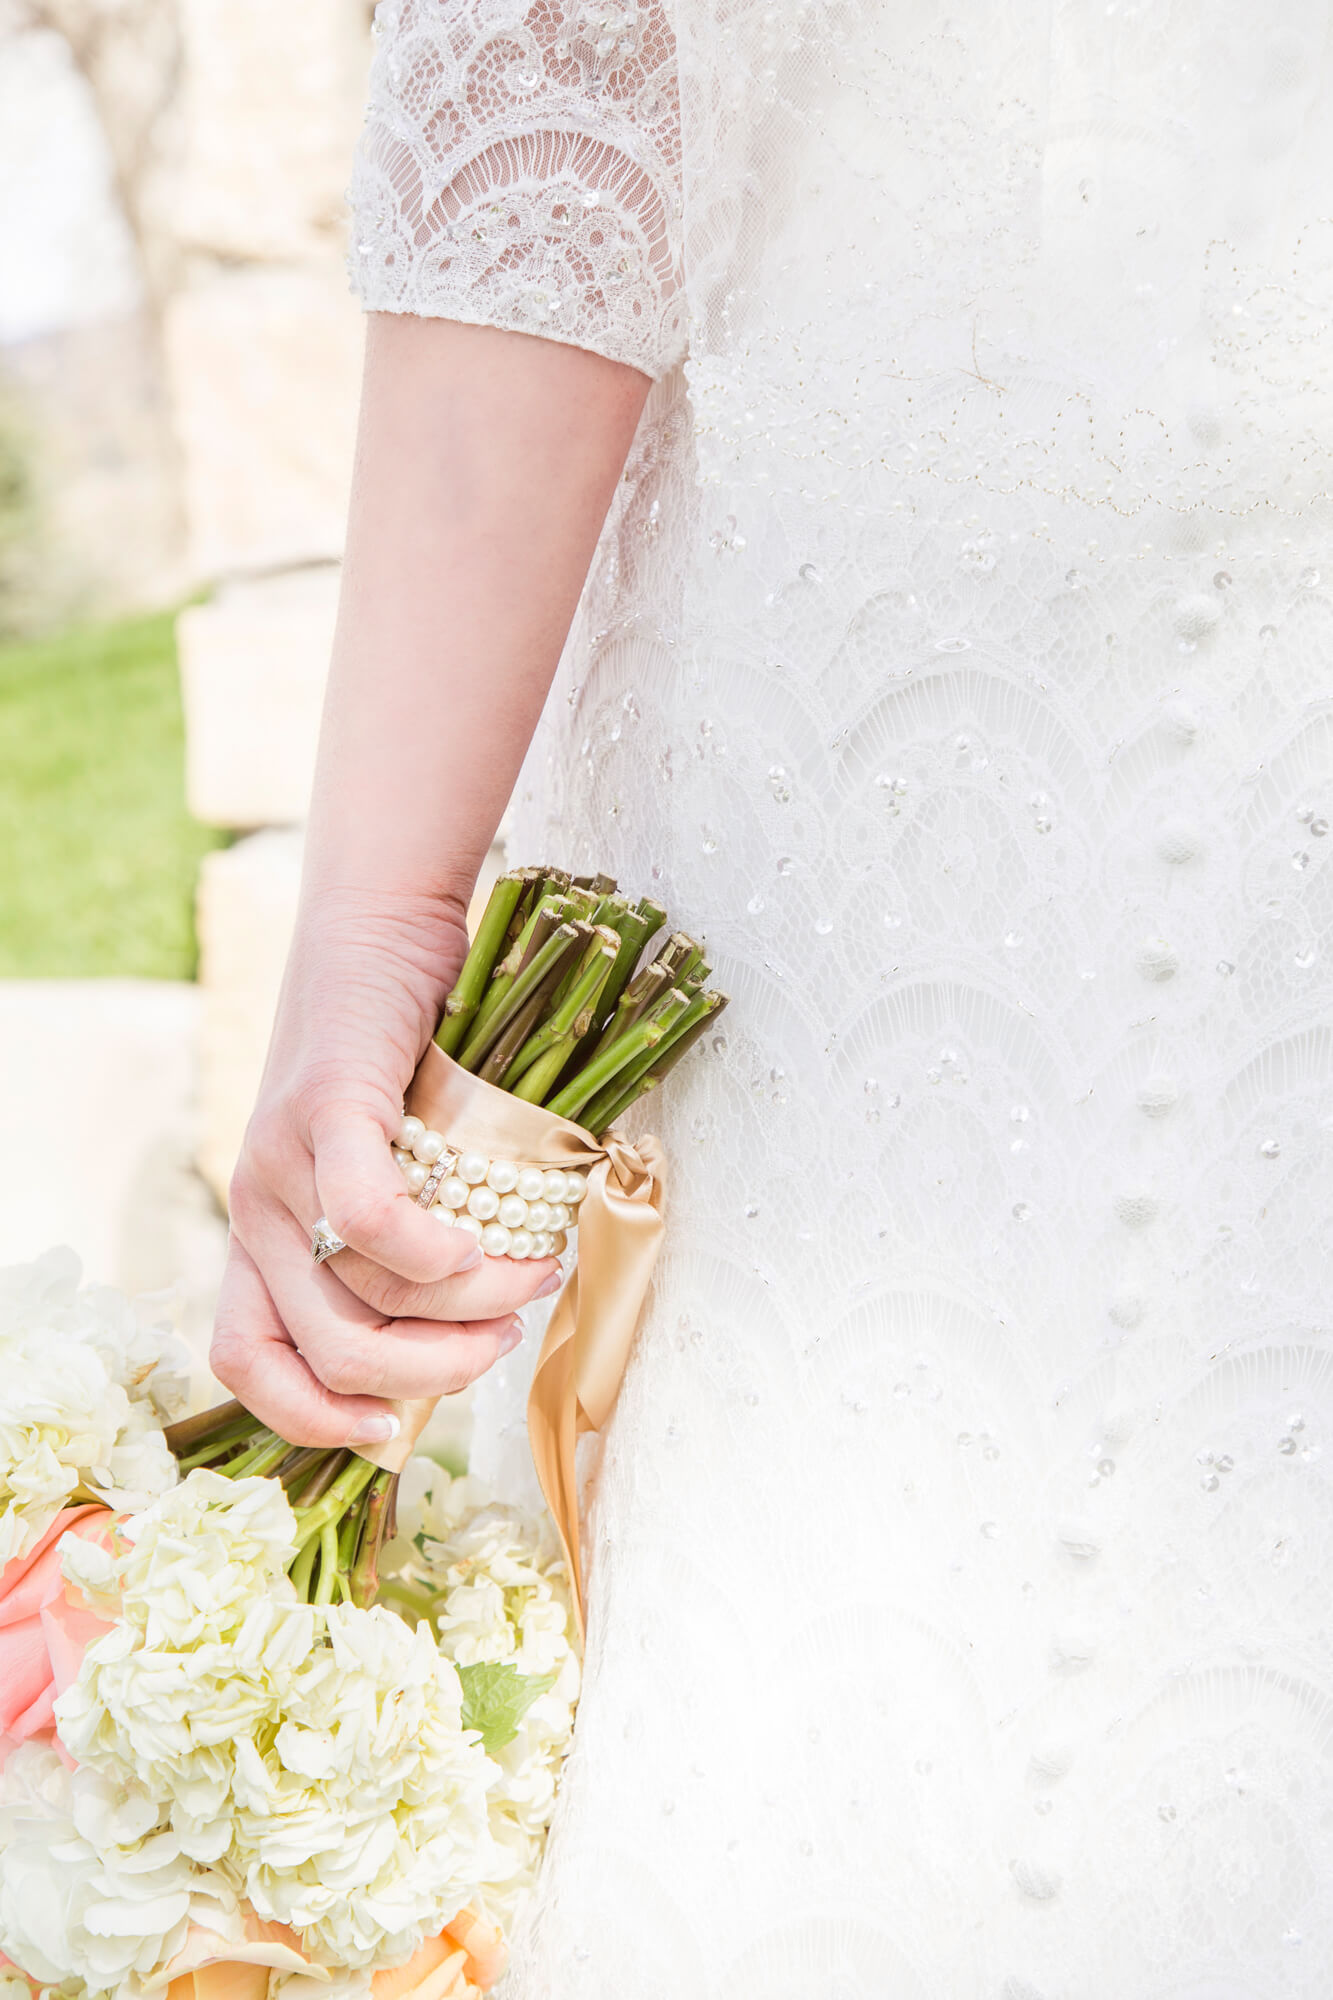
(98, 856)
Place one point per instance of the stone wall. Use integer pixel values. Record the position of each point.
(90, 514)
(189, 324)
(263, 343)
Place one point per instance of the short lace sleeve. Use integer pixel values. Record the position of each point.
(520, 167)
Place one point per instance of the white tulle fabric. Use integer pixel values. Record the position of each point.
(959, 662)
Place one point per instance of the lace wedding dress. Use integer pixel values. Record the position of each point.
(958, 663)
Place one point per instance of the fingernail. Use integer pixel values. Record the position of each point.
(473, 1258)
(511, 1336)
(551, 1284)
(374, 1430)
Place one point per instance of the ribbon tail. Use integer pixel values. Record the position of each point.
(553, 1430)
(591, 1331)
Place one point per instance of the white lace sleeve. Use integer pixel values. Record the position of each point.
(520, 168)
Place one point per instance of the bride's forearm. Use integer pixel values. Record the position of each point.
(485, 465)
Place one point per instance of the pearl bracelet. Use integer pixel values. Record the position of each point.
(512, 1210)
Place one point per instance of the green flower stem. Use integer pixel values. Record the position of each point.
(609, 914)
(350, 1483)
(546, 913)
(647, 986)
(543, 1076)
(530, 889)
(685, 1011)
(302, 1569)
(328, 1563)
(507, 1045)
(646, 1033)
(681, 955)
(264, 1457)
(560, 948)
(586, 901)
(330, 1468)
(214, 1454)
(587, 908)
(572, 1016)
(472, 981)
(192, 1432)
(363, 1580)
(300, 1463)
(613, 1104)
(349, 1532)
(635, 929)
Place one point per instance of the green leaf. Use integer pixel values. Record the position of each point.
(496, 1697)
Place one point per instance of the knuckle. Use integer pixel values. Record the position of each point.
(469, 1366)
(231, 1358)
(359, 1217)
(246, 1200)
(326, 1110)
(270, 1142)
(347, 1372)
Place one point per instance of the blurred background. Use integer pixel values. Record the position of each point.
(179, 356)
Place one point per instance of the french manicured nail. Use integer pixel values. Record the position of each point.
(552, 1284)
(472, 1259)
(511, 1336)
(374, 1430)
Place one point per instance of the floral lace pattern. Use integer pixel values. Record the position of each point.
(520, 168)
(958, 656)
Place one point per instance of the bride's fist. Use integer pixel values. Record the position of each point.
(407, 1309)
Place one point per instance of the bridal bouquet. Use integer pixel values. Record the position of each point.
(211, 1783)
(275, 1718)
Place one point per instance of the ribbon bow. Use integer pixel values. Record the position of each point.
(591, 1330)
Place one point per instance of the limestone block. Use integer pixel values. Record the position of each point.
(253, 663)
(103, 1071)
(265, 371)
(247, 906)
(271, 102)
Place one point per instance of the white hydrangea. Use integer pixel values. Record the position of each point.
(84, 1390)
(503, 1598)
(95, 1892)
(314, 1756)
(364, 1824)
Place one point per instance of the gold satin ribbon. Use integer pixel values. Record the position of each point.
(591, 1330)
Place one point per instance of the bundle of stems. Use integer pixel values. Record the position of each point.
(557, 1004)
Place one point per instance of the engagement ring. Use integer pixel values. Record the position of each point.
(324, 1241)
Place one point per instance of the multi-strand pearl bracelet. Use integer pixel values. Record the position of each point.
(511, 1210)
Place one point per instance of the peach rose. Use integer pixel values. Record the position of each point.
(465, 1960)
(459, 1964)
(43, 1630)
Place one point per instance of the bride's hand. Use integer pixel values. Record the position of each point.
(409, 1308)
(485, 464)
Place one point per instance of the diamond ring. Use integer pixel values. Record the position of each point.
(325, 1241)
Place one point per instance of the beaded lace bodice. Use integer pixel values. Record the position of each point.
(957, 661)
